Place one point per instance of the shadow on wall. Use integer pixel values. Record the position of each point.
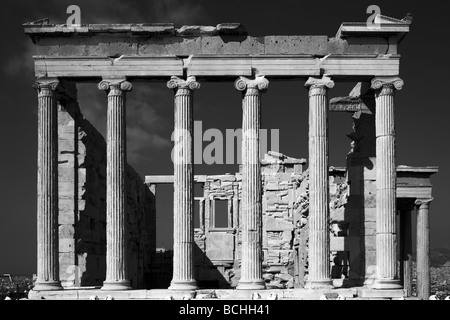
(360, 211)
(206, 273)
(82, 212)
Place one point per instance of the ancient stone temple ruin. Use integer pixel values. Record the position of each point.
(291, 227)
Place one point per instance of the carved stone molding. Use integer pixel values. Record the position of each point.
(390, 82)
(46, 84)
(319, 86)
(260, 83)
(423, 203)
(178, 83)
(122, 84)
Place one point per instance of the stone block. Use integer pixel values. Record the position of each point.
(231, 45)
(370, 187)
(283, 277)
(66, 190)
(338, 214)
(337, 46)
(66, 245)
(64, 118)
(110, 48)
(177, 46)
(370, 172)
(370, 261)
(370, 214)
(370, 242)
(268, 277)
(351, 244)
(276, 224)
(274, 285)
(316, 45)
(372, 45)
(370, 228)
(66, 145)
(66, 174)
(272, 186)
(66, 259)
(370, 201)
(66, 231)
(66, 131)
(373, 293)
(66, 217)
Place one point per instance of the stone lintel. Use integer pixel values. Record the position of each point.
(217, 66)
(430, 169)
(107, 67)
(168, 179)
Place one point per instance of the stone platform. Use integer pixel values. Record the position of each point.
(86, 293)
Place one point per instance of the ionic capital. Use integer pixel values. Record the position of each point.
(46, 84)
(423, 203)
(117, 84)
(387, 82)
(319, 86)
(260, 83)
(178, 83)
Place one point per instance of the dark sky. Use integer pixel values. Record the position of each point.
(421, 107)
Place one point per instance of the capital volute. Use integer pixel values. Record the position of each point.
(260, 83)
(117, 84)
(177, 83)
(324, 82)
(387, 82)
(46, 84)
(423, 203)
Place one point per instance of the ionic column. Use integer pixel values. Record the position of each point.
(251, 262)
(386, 254)
(319, 214)
(47, 187)
(116, 157)
(423, 248)
(183, 198)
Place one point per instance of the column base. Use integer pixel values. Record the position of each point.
(48, 286)
(387, 284)
(183, 285)
(251, 285)
(320, 284)
(116, 285)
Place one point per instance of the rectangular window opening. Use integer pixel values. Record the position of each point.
(221, 214)
(196, 214)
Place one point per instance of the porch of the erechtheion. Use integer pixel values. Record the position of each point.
(115, 56)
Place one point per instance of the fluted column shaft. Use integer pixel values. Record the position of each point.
(251, 261)
(319, 275)
(183, 199)
(423, 249)
(47, 187)
(116, 233)
(386, 234)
